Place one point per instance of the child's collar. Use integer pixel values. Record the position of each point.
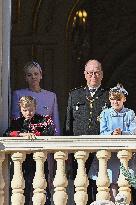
(122, 110)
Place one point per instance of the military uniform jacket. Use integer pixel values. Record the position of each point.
(83, 111)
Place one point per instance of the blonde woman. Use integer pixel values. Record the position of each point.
(46, 101)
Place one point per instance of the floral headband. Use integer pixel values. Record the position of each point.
(119, 89)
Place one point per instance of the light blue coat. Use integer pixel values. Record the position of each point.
(110, 120)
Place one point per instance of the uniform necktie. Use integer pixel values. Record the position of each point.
(92, 90)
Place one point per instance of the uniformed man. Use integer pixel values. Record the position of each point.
(84, 107)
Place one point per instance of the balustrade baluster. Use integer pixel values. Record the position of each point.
(103, 181)
(60, 181)
(2, 183)
(81, 180)
(18, 183)
(123, 184)
(39, 181)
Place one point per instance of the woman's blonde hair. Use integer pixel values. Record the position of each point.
(30, 65)
(27, 101)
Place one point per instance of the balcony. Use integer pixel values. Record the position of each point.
(61, 146)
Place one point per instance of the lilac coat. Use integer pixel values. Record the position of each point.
(46, 104)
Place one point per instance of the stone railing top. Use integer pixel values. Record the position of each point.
(85, 142)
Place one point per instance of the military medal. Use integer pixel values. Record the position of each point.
(105, 106)
(77, 107)
(91, 100)
(91, 104)
(98, 118)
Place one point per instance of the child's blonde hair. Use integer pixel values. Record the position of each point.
(116, 95)
(117, 92)
(27, 101)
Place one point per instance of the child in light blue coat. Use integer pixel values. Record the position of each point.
(116, 120)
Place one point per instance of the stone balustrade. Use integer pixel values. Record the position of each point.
(81, 146)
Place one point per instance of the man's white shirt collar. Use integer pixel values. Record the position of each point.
(96, 88)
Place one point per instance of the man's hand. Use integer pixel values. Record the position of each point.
(30, 136)
(117, 131)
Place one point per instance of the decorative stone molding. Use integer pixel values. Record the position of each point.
(39, 181)
(81, 180)
(123, 184)
(60, 181)
(56, 143)
(18, 183)
(2, 183)
(103, 181)
(69, 144)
